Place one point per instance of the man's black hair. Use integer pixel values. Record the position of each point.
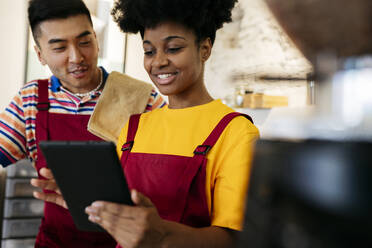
(204, 17)
(44, 10)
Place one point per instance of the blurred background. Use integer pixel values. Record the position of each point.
(312, 173)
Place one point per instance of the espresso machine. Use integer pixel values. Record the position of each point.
(312, 187)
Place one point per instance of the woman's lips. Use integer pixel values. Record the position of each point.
(165, 78)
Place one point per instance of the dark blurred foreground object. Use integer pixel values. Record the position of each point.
(317, 192)
(310, 194)
(343, 27)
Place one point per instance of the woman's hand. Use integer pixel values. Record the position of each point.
(48, 184)
(141, 226)
(131, 226)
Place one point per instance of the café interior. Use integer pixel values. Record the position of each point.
(302, 69)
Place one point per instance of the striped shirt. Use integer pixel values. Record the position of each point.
(17, 122)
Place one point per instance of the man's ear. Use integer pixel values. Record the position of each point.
(39, 55)
(205, 49)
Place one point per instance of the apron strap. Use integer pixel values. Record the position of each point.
(197, 177)
(133, 126)
(216, 133)
(132, 130)
(43, 108)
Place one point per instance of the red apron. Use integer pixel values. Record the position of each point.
(57, 228)
(175, 184)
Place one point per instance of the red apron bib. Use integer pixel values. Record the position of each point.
(57, 228)
(175, 184)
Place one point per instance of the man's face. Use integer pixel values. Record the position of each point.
(69, 47)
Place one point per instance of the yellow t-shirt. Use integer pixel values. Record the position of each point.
(180, 131)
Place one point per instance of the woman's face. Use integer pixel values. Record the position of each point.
(173, 60)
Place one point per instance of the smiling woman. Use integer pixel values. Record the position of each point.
(188, 163)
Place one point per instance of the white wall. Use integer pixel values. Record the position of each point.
(13, 29)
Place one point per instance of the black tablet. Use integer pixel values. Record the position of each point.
(86, 171)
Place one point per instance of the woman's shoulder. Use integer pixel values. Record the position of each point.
(240, 126)
(241, 122)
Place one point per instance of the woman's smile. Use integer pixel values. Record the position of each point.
(165, 78)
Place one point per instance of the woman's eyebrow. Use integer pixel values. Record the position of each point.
(166, 39)
(174, 37)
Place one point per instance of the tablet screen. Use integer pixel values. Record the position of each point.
(86, 171)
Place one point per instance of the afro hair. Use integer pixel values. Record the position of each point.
(204, 17)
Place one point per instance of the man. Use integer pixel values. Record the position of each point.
(58, 108)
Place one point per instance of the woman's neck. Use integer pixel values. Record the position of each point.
(186, 100)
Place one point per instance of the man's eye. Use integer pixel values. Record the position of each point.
(58, 49)
(85, 43)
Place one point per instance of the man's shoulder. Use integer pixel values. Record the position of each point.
(32, 86)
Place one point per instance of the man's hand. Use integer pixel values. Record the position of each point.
(48, 184)
(131, 226)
